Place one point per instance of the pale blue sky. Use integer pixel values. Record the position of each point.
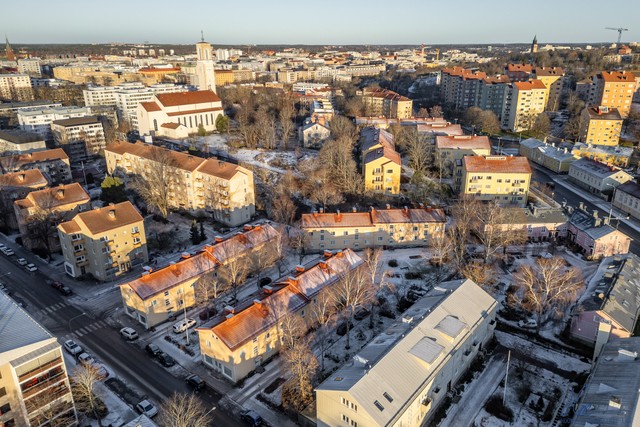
(320, 22)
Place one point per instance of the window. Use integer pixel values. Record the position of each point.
(135, 229)
(166, 293)
(387, 396)
(167, 302)
(378, 405)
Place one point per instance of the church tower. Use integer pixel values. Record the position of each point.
(534, 45)
(204, 66)
(9, 50)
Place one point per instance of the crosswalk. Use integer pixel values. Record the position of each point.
(54, 307)
(86, 329)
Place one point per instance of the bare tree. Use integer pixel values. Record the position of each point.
(337, 155)
(436, 111)
(209, 287)
(285, 117)
(47, 413)
(184, 410)
(372, 262)
(482, 274)
(417, 149)
(541, 126)
(489, 122)
(235, 268)
(464, 217)
(83, 388)
(495, 230)
(441, 245)
(291, 327)
(546, 287)
(322, 318)
(320, 189)
(342, 127)
(352, 291)
(283, 209)
(158, 182)
(301, 363)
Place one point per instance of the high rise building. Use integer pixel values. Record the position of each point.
(614, 90)
(204, 67)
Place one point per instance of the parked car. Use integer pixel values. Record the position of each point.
(7, 251)
(265, 281)
(86, 358)
(65, 290)
(230, 300)
(55, 284)
(342, 327)
(528, 323)
(251, 418)
(196, 382)
(147, 408)
(183, 325)
(165, 359)
(152, 349)
(129, 334)
(72, 348)
(101, 371)
(22, 261)
(31, 267)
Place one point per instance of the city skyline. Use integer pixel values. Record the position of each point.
(336, 23)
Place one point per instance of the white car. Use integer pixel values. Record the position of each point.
(529, 323)
(72, 348)
(129, 333)
(147, 408)
(86, 359)
(22, 261)
(31, 267)
(183, 325)
(7, 251)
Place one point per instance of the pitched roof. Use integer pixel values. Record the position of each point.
(18, 328)
(617, 76)
(196, 111)
(171, 125)
(412, 216)
(440, 128)
(51, 198)
(548, 71)
(109, 217)
(150, 106)
(630, 188)
(372, 136)
(220, 169)
(530, 85)
(155, 153)
(387, 153)
(463, 142)
(527, 68)
(187, 98)
(346, 219)
(31, 178)
(370, 219)
(623, 300)
(497, 164)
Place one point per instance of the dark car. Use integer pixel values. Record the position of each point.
(207, 313)
(252, 418)
(342, 328)
(196, 382)
(165, 359)
(153, 350)
(55, 284)
(65, 290)
(361, 313)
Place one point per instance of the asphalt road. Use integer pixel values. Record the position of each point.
(562, 194)
(128, 361)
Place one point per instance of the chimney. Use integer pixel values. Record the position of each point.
(185, 255)
(340, 254)
(405, 211)
(321, 210)
(338, 216)
(328, 254)
(323, 265)
(388, 206)
(354, 210)
(112, 213)
(218, 239)
(60, 193)
(248, 227)
(21, 177)
(299, 268)
(229, 309)
(267, 289)
(315, 213)
(257, 302)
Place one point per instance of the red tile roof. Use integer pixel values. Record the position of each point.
(497, 164)
(530, 85)
(549, 71)
(150, 106)
(170, 125)
(187, 98)
(153, 153)
(198, 111)
(51, 198)
(388, 153)
(108, 218)
(218, 168)
(371, 219)
(463, 142)
(526, 68)
(31, 178)
(618, 76)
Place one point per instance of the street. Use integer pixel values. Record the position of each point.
(57, 314)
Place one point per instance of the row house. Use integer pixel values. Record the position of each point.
(451, 149)
(540, 224)
(54, 164)
(158, 295)
(223, 189)
(503, 179)
(545, 154)
(379, 227)
(104, 242)
(594, 236)
(381, 163)
(405, 373)
(42, 210)
(35, 388)
(627, 198)
(601, 126)
(610, 155)
(243, 337)
(597, 177)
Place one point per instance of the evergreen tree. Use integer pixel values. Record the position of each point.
(203, 236)
(195, 237)
(113, 190)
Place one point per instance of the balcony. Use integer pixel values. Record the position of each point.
(82, 263)
(135, 233)
(40, 369)
(36, 403)
(137, 244)
(78, 252)
(43, 385)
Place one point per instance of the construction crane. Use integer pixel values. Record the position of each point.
(619, 30)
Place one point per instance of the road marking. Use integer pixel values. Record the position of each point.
(82, 331)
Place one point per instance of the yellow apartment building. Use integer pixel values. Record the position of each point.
(160, 294)
(224, 77)
(381, 164)
(601, 126)
(383, 102)
(105, 242)
(222, 189)
(451, 149)
(613, 89)
(240, 339)
(41, 211)
(505, 179)
(34, 384)
(379, 227)
(553, 79)
(523, 102)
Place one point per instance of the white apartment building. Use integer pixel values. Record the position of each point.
(15, 87)
(30, 66)
(39, 120)
(79, 137)
(34, 384)
(402, 376)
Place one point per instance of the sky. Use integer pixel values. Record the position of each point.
(328, 22)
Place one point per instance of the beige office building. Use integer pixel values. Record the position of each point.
(223, 189)
(34, 384)
(105, 242)
(505, 179)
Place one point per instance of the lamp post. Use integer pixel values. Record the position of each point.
(75, 317)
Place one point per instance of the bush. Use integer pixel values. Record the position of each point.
(495, 407)
(393, 263)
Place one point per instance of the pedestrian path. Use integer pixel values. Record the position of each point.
(54, 307)
(84, 330)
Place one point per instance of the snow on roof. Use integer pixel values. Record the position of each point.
(17, 328)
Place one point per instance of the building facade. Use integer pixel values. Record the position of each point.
(383, 102)
(15, 87)
(381, 163)
(204, 67)
(553, 79)
(597, 177)
(80, 137)
(613, 89)
(39, 120)
(19, 141)
(610, 155)
(54, 164)
(451, 149)
(524, 101)
(601, 126)
(314, 134)
(548, 155)
(627, 198)
(594, 236)
(104, 243)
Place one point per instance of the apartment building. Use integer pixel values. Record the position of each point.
(15, 186)
(519, 72)
(105, 242)
(243, 337)
(30, 66)
(158, 295)
(39, 120)
(449, 150)
(553, 79)
(383, 102)
(616, 156)
(597, 177)
(80, 137)
(524, 101)
(385, 122)
(378, 227)
(613, 89)
(627, 198)
(540, 224)
(54, 164)
(594, 236)
(40, 211)
(223, 189)
(403, 375)
(381, 163)
(505, 179)
(492, 94)
(454, 81)
(186, 110)
(34, 383)
(545, 154)
(321, 110)
(601, 126)
(19, 141)
(15, 87)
